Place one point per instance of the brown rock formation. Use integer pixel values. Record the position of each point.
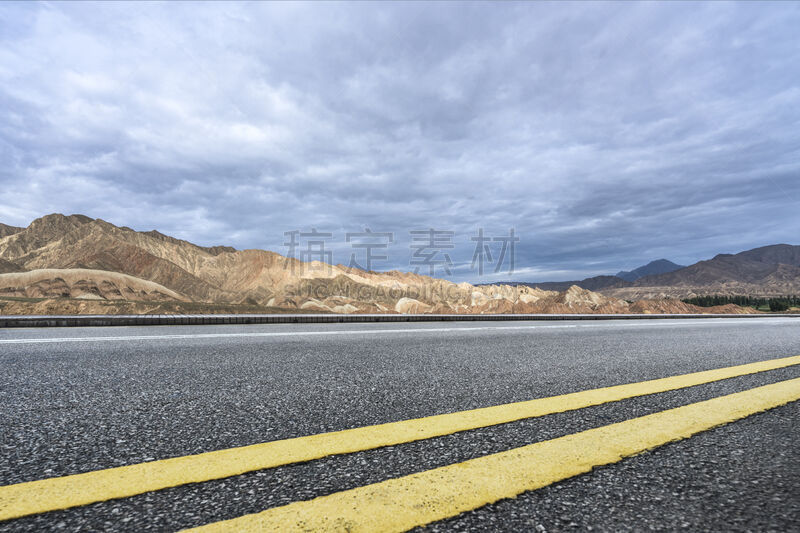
(79, 257)
(82, 284)
(6, 230)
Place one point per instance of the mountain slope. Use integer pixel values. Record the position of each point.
(6, 230)
(77, 241)
(79, 257)
(784, 254)
(594, 283)
(621, 279)
(224, 275)
(82, 284)
(767, 271)
(751, 266)
(8, 266)
(659, 266)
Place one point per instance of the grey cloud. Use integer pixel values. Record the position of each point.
(606, 134)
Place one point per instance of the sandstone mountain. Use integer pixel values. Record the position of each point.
(79, 264)
(83, 284)
(8, 230)
(8, 266)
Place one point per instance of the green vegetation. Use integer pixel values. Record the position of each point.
(780, 304)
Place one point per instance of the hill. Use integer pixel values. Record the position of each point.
(594, 283)
(8, 266)
(659, 266)
(8, 230)
(768, 271)
(60, 260)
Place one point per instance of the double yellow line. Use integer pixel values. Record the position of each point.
(403, 503)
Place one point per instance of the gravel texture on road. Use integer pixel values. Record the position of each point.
(73, 407)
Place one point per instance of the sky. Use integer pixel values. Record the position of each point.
(605, 135)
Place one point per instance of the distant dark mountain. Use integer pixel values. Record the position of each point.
(659, 266)
(767, 271)
(751, 266)
(785, 254)
(622, 279)
(592, 284)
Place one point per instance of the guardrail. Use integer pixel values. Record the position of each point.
(192, 320)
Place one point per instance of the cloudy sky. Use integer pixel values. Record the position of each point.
(606, 135)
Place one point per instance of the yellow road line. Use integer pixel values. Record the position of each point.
(404, 503)
(80, 489)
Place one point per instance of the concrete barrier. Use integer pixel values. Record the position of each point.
(172, 320)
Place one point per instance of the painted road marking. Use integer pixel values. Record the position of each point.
(80, 489)
(122, 338)
(404, 503)
(271, 334)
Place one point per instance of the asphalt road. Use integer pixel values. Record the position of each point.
(72, 401)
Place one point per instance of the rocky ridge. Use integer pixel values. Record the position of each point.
(77, 257)
(768, 271)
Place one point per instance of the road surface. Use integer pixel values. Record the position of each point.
(90, 399)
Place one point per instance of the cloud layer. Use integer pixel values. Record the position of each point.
(606, 135)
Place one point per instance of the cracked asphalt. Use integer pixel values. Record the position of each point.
(70, 407)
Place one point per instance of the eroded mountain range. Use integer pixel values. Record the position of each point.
(76, 264)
